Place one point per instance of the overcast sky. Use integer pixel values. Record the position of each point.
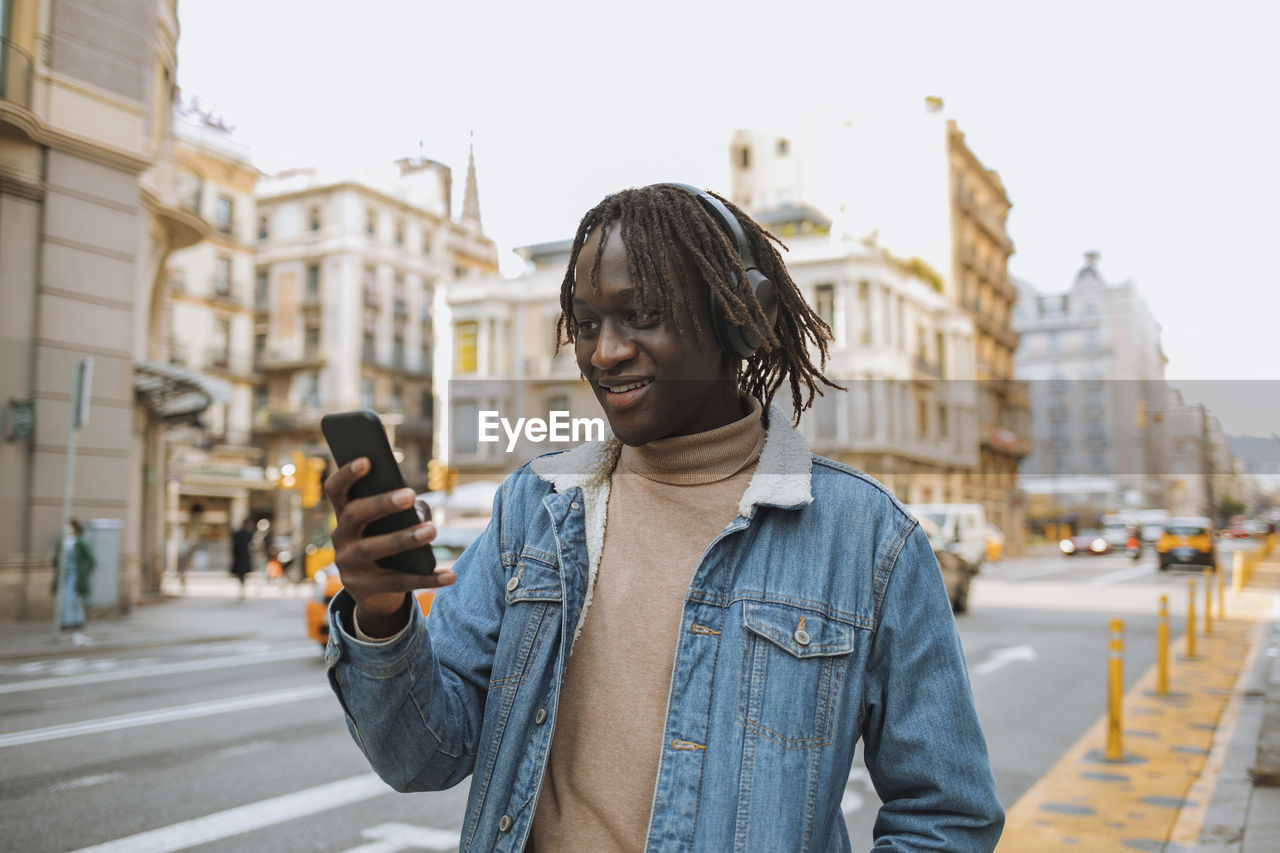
(1143, 130)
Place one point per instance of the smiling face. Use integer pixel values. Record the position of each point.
(653, 379)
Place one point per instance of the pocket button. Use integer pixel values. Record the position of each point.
(512, 584)
(801, 636)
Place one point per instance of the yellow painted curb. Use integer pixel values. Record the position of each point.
(1086, 802)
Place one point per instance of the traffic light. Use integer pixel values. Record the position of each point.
(437, 475)
(310, 478)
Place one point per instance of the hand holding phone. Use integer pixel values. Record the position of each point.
(352, 435)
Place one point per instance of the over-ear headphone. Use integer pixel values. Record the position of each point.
(732, 338)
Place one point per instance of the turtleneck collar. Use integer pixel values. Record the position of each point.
(705, 457)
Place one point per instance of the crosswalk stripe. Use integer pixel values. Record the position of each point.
(165, 715)
(248, 818)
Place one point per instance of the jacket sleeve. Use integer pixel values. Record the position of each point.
(415, 704)
(923, 745)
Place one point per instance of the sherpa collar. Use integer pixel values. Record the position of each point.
(781, 478)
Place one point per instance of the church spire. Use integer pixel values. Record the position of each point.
(471, 195)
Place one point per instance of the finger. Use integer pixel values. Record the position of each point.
(361, 511)
(338, 483)
(370, 549)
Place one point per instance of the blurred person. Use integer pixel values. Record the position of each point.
(190, 544)
(76, 573)
(739, 611)
(241, 553)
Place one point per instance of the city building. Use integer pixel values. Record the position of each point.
(498, 348)
(347, 271)
(214, 474)
(911, 184)
(905, 354)
(89, 211)
(1093, 360)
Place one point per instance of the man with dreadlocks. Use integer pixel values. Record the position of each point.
(672, 639)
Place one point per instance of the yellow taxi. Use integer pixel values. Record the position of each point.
(448, 547)
(1187, 541)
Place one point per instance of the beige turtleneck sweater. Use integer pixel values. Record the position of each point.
(667, 500)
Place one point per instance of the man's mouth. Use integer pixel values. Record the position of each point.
(623, 395)
(626, 386)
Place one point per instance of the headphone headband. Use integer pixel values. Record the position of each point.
(732, 338)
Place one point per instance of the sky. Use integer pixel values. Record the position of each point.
(1146, 131)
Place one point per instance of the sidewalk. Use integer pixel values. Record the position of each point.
(209, 611)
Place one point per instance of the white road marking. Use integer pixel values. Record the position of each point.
(1117, 577)
(394, 837)
(85, 782)
(1003, 657)
(852, 800)
(165, 715)
(237, 821)
(159, 669)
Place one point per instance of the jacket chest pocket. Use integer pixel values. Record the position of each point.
(534, 597)
(794, 662)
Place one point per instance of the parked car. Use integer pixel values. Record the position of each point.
(448, 546)
(956, 573)
(961, 527)
(1116, 533)
(1187, 541)
(1086, 542)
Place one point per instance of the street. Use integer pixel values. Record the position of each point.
(237, 744)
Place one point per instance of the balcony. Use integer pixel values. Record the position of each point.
(274, 362)
(927, 370)
(16, 77)
(219, 361)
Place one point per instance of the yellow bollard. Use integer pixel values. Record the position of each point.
(1237, 570)
(1222, 599)
(1191, 617)
(1162, 648)
(1115, 692)
(1208, 602)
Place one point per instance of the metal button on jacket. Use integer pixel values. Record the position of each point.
(540, 717)
(512, 584)
(504, 823)
(801, 636)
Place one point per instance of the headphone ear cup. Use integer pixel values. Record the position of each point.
(733, 338)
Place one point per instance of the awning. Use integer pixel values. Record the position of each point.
(170, 391)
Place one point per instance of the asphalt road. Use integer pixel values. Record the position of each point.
(239, 746)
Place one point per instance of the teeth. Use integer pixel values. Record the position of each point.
(621, 389)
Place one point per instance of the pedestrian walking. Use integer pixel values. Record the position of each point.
(76, 573)
(674, 638)
(241, 553)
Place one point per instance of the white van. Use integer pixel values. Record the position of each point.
(962, 528)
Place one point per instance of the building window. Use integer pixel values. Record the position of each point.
(223, 213)
(466, 337)
(426, 405)
(313, 282)
(263, 230)
(397, 398)
(824, 299)
(371, 222)
(311, 342)
(744, 157)
(220, 349)
(222, 276)
(922, 419)
(466, 427)
(943, 426)
(864, 312)
(784, 147)
(313, 222)
(261, 289)
(366, 393)
(313, 390)
(259, 347)
(367, 347)
(399, 233)
(371, 288)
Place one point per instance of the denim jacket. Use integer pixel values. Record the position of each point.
(816, 617)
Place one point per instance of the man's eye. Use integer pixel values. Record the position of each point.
(586, 326)
(646, 318)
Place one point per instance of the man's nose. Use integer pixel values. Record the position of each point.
(612, 347)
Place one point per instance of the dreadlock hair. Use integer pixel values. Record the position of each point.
(665, 230)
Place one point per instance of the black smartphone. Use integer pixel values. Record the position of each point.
(354, 434)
